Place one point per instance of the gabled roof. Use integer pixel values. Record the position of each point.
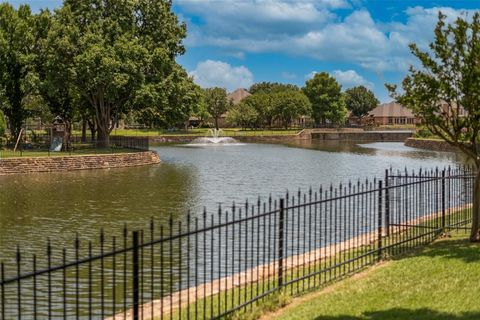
(238, 95)
(391, 109)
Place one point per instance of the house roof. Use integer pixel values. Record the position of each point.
(238, 95)
(391, 109)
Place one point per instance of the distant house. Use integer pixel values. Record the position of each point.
(234, 98)
(391, 113)
(238, 95)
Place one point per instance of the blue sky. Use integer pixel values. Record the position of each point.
(234, 43)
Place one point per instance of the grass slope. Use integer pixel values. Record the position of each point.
(440, 281)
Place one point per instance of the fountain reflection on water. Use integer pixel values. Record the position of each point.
(213, 139)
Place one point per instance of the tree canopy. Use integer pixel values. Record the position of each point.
(98, 59)
(445, 92)
(289, 105)
(325, 95)
(272, 87)
(216, 101)
(360, 101)
(18, 53)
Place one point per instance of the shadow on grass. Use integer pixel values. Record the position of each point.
(461, 249)
(398, 313)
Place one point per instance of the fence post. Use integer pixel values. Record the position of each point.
(380, 213)
(135, 276)
(443, 200)
(281, 230)
(387, 204)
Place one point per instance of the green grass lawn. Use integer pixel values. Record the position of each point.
(439, 281)
(202, 132)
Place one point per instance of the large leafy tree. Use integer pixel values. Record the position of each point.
(121, 56)
(360, 101)
(18, 78)
(271, 87)
(243, 115)
(325, 95)
(445, 92)
(263, 104)
(290, 105)
(217, 104)
(56, 85)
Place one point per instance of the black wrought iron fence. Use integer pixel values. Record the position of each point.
(44, 145)
(217, 264)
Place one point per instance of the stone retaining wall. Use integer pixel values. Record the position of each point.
(430, 144)
(69, 163)
(362, 136)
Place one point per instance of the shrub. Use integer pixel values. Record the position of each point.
(423, 133)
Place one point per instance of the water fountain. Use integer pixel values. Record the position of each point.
(214, 138)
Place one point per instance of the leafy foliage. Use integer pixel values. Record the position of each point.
(284, 104)
(326, 98)
(3, 124)
(360, 101)
(290, 105)
(243, 115)
(99, 60)
(445, 92)
(216, 101)
(18, 47)
(271, 87)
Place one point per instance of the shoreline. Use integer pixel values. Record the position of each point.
(430, 144)
(32, 165)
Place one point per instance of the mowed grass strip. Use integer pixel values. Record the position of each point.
(439, 281)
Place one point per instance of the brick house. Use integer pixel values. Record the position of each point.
(391, 113)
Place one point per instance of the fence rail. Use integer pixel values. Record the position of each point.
(41, 145)
(213, 265)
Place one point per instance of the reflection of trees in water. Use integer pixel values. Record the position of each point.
(58, 205)
(369, 148)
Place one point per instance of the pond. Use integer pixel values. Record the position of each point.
(56, 206)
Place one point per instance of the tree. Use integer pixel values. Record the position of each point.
(289, 105)
(243, 115)
(325, 95)
(216, 100)
(57, 86)
(360, 101)
(201, 110)
(123, 58)
(18, 45)
(262, 103)
(445, 92)
(271, 87)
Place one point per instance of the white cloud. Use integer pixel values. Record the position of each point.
(350, 78)
(211, 73)
(311, 28)
(347, 78)
(310, 75)
(288, 75)
(255, 19)
(238, 54)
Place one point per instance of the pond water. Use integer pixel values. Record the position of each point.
(34, 208)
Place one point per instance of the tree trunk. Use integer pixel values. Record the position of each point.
(216, 123)
(475, 232)
(103, 137)
(93, 130)
(67, 144)
(84, 131)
